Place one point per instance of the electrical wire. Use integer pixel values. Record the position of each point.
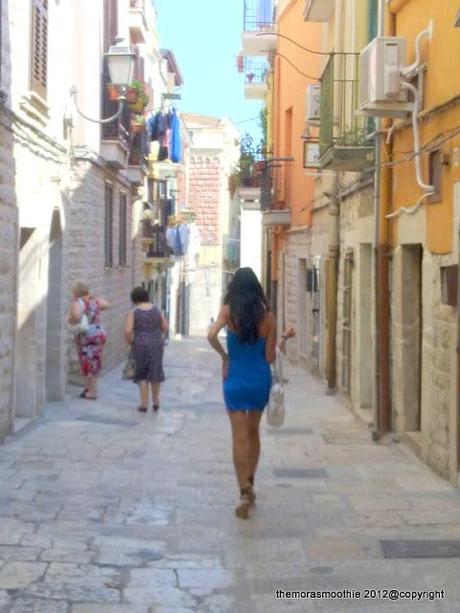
(294, 42)
(307, 49)
(297, 69)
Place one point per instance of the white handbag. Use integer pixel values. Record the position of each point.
(83, 325)
(275, 409)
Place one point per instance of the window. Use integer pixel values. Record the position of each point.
(435, 170)
(122, 250)
(372, 20)
(110, 22)
(108, 226)
(39, 47)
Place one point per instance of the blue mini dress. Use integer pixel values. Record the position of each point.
(247, 386)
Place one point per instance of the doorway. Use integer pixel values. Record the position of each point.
(55, 383)
(412, 335)
(365, 326)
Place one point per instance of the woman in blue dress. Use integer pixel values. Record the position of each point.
(251, 345)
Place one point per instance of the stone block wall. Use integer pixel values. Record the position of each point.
(8, 240)
(8, 272)
(86, 256)
(204, 193)
(356, 229)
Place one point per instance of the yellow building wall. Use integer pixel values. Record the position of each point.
(289, 105)
(441, 84)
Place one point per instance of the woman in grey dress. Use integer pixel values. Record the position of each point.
(145, 329)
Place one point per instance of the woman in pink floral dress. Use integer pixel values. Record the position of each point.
(89, 343)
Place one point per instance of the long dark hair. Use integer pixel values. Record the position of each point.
(248, 304)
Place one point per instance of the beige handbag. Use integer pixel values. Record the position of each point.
(129, 368)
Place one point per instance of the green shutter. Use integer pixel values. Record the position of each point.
(372, 20)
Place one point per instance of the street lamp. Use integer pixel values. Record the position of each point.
(120, 64)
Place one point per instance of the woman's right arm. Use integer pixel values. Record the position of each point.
(270, 345)
(75, 313)
(129, 328)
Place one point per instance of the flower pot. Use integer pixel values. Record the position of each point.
(132, 96)
(112, 93)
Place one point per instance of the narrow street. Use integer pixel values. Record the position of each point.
(105, 510)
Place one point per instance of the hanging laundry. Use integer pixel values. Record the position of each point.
(176, 150)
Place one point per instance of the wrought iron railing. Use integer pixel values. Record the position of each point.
(256, 70)
(259, 15)
(139, 150)
(119, 129)
(339, 124)
(159, 247)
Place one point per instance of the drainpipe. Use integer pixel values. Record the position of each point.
(332, 266)
(382, 202)
(458, 354)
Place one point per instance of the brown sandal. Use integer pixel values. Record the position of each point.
(142, 409)
(246, 502)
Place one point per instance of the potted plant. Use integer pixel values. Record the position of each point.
(140, 104)
(137, 124)
(112, 92)
(136, 97)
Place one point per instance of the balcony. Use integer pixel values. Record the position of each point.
(256, 71)
(343, 143)
(137, 21)
(276, 217)
(250, 188)
(318, 10)
(275, 195)
(137, 160)
(158, 253)
(115, 136)
(259, 30)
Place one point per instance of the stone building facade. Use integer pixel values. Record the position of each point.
(8, 233)
(69, 205)
(86, 250)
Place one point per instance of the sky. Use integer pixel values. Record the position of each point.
(205, 36)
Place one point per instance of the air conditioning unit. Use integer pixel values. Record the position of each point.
(381, 94)
(313, 103)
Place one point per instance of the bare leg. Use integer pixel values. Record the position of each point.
(91, 386)
(239, 421)
(156, 395)
(253, 442)
(144, 393)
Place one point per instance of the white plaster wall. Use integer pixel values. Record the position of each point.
(251, 241)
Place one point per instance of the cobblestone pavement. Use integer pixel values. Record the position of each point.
(104, 510)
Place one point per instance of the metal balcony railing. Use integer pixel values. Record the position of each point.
(159, 247)
(339, 124)
(139, 150)
(119, 129)
(259, 15)
(256, 70)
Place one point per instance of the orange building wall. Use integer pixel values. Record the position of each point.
(289, 106)
(442, 83)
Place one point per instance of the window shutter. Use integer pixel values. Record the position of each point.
(108, 226)
(372, 19)
(122, 246)
(110, 22)
(39, 47)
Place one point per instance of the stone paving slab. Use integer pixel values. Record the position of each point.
(105, 510)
